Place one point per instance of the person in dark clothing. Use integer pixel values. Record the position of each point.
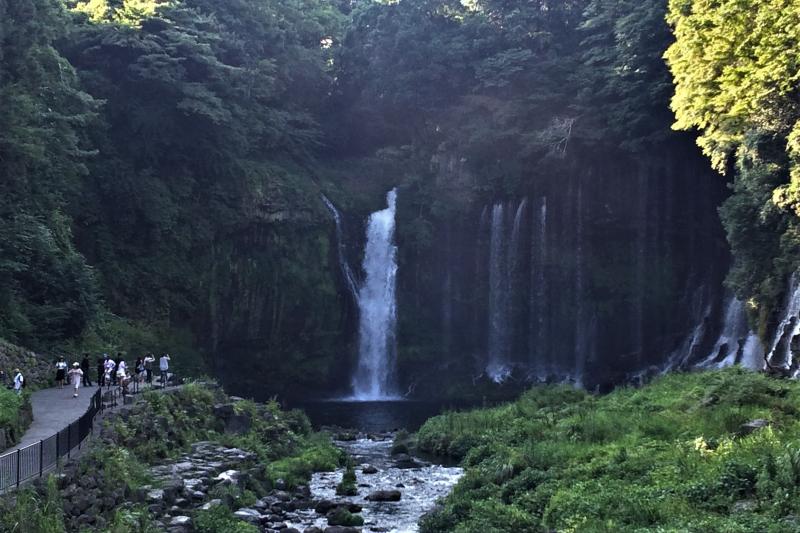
(101, 371)
(85, 367)
(116, 369)
(149, 360)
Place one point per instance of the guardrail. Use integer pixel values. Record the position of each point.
(34, 460)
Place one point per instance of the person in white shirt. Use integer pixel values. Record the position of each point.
(75, 377)
(109, 370)
(122, 369)
(61, 369)
(163, 365)
(19, 381)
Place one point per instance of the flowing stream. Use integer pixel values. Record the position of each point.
(420, 486)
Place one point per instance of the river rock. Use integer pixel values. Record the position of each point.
(172, 488)
(369, 469)
(154, 496)
(238, 424)
(229, 477)
(340, 529)
(313, 529)
(249, 515)
(753, 425)
(405, 461)
(180, 521)
(385, 496)
(324, 506)
(212, 503)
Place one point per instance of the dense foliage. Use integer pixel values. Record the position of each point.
(162, 160)
(736, 75)
(671, 456)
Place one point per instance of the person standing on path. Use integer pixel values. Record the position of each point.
(116, 369)
(61, 369)
(163, 365)
(101, 371)
(138, 370)
(75, 377)
(108, 371)
(19, 381)
(149, 359)
(87, 382)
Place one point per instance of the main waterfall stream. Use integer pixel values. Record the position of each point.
(374, 378)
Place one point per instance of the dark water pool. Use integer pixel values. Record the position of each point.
(373, 416)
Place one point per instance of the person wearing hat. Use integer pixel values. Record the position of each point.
(61, 368)
(75, 376)
(19, 381)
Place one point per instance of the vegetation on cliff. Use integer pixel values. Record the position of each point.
(735, 70)
(679, 454)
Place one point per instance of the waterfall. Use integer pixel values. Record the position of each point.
(700, 313)
(729, 346)
(538, 295)
(497, 368)
(581, 339)
(374, 378)
(347, 272)
(781, 352)
(752, 353)
(641, 252)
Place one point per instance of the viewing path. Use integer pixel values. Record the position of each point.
(53, 410)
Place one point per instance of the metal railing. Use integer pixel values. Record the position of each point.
(40, 457)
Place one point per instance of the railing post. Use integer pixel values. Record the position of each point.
(41, 458)
(69, 440)
(18, 466)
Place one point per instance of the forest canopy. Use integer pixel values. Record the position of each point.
(162, 161)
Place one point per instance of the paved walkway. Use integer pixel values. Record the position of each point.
(53, 410)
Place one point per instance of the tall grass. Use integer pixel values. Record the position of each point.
(670, 456)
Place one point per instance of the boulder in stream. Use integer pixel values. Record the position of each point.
(385, 496)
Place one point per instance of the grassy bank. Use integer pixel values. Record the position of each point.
(15, 417)
(670, 457)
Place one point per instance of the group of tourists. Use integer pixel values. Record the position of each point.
(112, 372)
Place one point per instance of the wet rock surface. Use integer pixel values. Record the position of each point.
(390, 499)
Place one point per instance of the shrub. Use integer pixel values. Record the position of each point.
(219, 518)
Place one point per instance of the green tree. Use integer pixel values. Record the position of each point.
(47, 291)
(736, 74)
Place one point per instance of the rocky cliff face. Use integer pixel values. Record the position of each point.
(278, 318)
(594, 269)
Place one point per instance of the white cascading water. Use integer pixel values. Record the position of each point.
(781, 352)
(497, 369)
(374, 378)
(538, 304)
(690, 345)
(581, 336)
(731, 345)
(347, 272)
